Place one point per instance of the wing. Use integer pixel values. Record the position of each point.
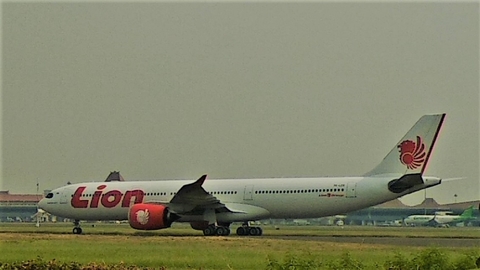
(192, 199)
(432, 222)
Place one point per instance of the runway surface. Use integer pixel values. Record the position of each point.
(467, 237)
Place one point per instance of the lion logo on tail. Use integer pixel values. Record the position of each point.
(412, 154)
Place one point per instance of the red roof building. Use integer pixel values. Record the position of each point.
(19, 199)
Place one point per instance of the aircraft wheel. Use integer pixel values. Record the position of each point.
(210, 230)
(77, 230)
(223, 231)
(242, 230)
(254, 231)
(260, 231)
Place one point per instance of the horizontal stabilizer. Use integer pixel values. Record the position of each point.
(405, 182)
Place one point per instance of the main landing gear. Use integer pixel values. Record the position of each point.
(224, 230)
(216, 230)
(245, 229)
(77, 229)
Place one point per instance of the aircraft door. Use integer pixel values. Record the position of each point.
(351, 190)
(248, 193)
(65, 195)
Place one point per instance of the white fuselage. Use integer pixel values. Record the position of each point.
(261, 198)
(156, 204)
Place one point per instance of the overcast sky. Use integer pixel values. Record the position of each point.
(235, 90)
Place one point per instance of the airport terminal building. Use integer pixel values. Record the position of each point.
(18, 207)
(393, 211)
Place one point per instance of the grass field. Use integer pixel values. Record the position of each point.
(183, 248)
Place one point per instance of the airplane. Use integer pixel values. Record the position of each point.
(212, 206)
(439, 219)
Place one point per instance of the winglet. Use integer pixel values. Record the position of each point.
(200, 180)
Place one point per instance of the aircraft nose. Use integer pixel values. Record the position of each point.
(41, 204)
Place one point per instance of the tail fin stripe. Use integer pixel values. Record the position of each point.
(439, 127)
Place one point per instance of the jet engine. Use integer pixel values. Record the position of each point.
(144, 216)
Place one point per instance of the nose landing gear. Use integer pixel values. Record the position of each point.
(77, 229)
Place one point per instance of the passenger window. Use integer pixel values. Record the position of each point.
(49, 195)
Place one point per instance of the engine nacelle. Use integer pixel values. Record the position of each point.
(145, 216)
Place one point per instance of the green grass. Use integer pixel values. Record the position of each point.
(183, 248)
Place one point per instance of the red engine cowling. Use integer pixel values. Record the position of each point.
(144, 216)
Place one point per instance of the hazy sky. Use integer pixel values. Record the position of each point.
(235, 90)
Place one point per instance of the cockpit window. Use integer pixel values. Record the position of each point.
(49, 195)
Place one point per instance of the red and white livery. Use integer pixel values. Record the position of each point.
(214, 204)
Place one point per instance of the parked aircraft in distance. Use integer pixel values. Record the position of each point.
(211, 206)
(439, 219)
(301, 222)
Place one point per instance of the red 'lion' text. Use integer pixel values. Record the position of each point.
(109, 199)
